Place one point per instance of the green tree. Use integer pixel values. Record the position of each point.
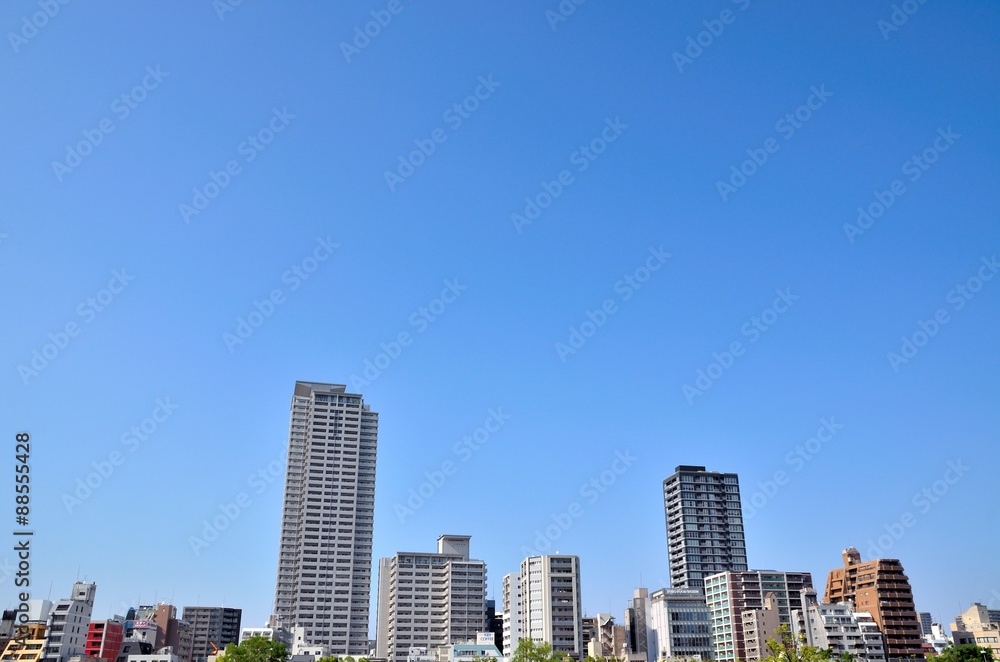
(965, 653)
(529, 651)
(786, 648)
(256, 649)
(329, 658)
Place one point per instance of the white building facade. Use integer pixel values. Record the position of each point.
(551, 607)
(429, 600)
(325, 557)
(511, 612)
(67, 624)
(679, 625)
(837, 627)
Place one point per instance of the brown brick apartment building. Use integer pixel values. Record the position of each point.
(881, 588)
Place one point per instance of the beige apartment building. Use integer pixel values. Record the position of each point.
(760, 626)
(978, 625)
(27, 645)
(429, 600)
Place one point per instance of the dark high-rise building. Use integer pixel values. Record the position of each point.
(881, 588)
(494, 624)
(637, 624)
(926, 621)
(212, 625)
(8, 625)
(704, 525)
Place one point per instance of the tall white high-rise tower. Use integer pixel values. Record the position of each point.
(325, 557)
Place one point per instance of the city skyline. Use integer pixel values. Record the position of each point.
(300, 431)
(560, 247)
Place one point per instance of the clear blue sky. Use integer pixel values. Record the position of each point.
(99, 240)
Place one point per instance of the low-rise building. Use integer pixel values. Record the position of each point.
(163, 655)
(679, 625)
(481, 649)
(132, 647)
(212, 626)
(937, 640)
(602, 637)
(639, 642)
(980, 626)
(27, 645)
(838, 628)
(66, 631)
(104, 639)
(760, 626)
(279, 634)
